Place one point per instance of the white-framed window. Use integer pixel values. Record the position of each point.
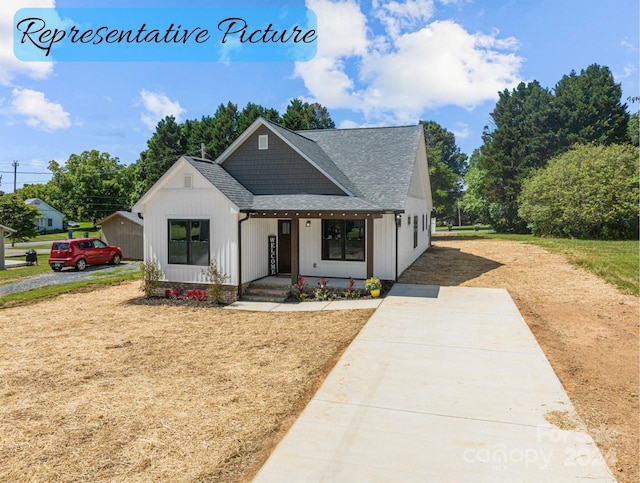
(263, 141)
(187, 181)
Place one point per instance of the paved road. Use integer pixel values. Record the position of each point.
(65, 276)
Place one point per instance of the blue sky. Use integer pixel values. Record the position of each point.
(378, 63)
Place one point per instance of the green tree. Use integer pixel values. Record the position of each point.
(42, 191)
(588, 192)
(634, 128)
(523, 140)
(251, 112)
(224, 129)
(302, 115)
(447, 166)
(166, 144)
(474, 201)
(589, 108)
(91, 185)
(16, 214)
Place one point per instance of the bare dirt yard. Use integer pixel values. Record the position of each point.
(586, 327)
(95, 387)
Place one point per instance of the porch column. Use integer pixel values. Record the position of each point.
(295, 250)
(369, 252)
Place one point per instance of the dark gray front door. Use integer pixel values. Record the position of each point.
(284, 246)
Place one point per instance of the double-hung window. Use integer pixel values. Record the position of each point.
(189, 242)
(343, 240)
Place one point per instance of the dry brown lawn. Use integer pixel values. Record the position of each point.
(96, 388)
(586, 327)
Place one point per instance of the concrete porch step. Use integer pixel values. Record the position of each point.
(264, 292)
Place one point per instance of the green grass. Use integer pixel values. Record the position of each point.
(99, 279)
(77, 233)
(16, 274)
(617, 262)
(462, 228)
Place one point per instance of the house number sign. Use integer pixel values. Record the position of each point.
(273, 269)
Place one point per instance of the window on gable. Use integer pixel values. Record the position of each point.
(343, 240)
(189, 242)
(187, 181)
(263, 141)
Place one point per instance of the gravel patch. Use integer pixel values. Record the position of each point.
(65, 276)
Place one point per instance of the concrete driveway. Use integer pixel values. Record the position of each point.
(442, 384)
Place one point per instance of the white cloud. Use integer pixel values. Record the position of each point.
(411, 64)
(40, 113)
(158, 106)
(10, 66)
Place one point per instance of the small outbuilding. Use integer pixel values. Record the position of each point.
(124, 229)
(4, 231)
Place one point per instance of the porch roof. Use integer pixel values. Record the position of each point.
(313, 203)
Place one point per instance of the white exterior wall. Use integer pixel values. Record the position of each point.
(255, 249)
(311, 253)
(406, 253)
(419, 203)
(312, 264)
(384, 247)
(202, 201)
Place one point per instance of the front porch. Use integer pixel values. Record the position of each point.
(277, 289)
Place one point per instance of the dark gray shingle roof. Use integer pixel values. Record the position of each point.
(374, 164)
(312, 203)
(379, 161)
(222, 180)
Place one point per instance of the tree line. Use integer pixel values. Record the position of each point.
(541, 142)
(559, 162)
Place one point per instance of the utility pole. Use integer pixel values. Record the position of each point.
(15, 165)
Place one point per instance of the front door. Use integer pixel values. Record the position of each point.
(284, 246)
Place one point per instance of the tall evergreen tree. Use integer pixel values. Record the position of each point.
(163, 148)
(523, 139)
(302, 115)
(589, 108)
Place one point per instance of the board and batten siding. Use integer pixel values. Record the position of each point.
(201, 201)
(383, 252)
(277, 170)
(255, 248)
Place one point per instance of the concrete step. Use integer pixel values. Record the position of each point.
(257, 292)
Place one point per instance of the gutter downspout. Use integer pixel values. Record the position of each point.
(395, 220)
(240, 222)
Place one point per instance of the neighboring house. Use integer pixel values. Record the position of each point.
(325, 203)
(4, 231)
(49, 218)
(124, 229)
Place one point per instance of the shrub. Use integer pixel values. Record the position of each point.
(587, 192)
(216, 279)
(151, 276)
(300, 290)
